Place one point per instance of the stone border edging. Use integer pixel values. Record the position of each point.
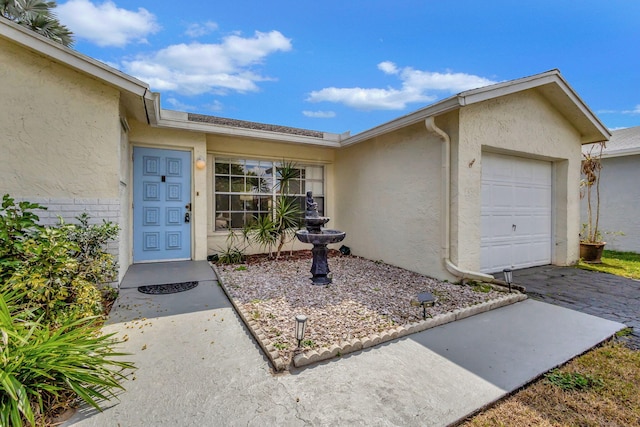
(356, 344)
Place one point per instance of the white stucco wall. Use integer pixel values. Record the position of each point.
(125, 244)
(619, 203)
(389, 192)
(388, 198)
(145, 136)
(524, 124)
(244, 148)
(60, 141)
(60, 130)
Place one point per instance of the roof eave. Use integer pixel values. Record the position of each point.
(620, 153)
(179, 120)
(438, 108)
(590, 127)
(56, 51)
(591, 130)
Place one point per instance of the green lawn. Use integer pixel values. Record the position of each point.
(626, 264)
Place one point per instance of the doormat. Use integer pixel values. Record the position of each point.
(171, 288)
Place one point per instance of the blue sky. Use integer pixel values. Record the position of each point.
(340, 66)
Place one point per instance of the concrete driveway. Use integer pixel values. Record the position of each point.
(199, 366)
(600, 294)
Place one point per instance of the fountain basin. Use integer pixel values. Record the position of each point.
(315, 222)
(323, 237)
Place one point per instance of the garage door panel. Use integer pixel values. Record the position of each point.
(540, 226)
(526, 254)
(502, 196)
(540, 198)
(485, 195)
(516, 212)
(498, 226)
(496, 253)
(520, 254)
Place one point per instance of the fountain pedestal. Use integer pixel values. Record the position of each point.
(319, 238)
(320, 265)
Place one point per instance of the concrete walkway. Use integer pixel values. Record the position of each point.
(198, 365)
(600, 294)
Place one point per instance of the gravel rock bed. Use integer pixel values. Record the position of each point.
(365, 298)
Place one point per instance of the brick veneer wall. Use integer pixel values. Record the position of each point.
(69, 208)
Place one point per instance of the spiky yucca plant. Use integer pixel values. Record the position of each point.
(39, 363)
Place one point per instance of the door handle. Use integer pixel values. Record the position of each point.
(188, 207)
(187, 217)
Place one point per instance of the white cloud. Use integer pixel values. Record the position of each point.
(196, 68)
(106, 24)
(417, 86)
(388, 67)
(319, 114)
(179, 105)
(214, 106)
(199, 30)
(634, 111)
(367, 98)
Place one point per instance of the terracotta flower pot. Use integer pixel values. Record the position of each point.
(591, 252)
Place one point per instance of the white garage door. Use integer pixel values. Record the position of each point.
(516, 212)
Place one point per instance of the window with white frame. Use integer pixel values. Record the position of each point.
(246, 189)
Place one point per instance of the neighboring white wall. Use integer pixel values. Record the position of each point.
(388, 197)
(146, 136)
(243, 148)
(523, 124)
(619, 203)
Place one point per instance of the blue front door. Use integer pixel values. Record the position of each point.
(161, 204)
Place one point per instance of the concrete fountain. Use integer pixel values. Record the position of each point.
(319, 238)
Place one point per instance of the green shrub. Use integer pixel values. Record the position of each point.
(39, 364)
(57, 269)
(234, 253)
(231, 255)
(17, 225)
(279, 226)
(95, 263)
(51, 281)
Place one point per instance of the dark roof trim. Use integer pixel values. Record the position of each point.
(222, 121)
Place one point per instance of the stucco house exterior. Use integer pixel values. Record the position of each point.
(619, 191)
(480, 181)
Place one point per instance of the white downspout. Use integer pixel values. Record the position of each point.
(446, 208)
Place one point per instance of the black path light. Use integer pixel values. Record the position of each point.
(301, 324)
(508, 277)
(426, 299)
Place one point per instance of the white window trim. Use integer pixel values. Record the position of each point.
(211, 195)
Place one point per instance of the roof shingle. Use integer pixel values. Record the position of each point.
(201, 118)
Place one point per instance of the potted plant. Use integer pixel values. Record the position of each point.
(591, 244)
